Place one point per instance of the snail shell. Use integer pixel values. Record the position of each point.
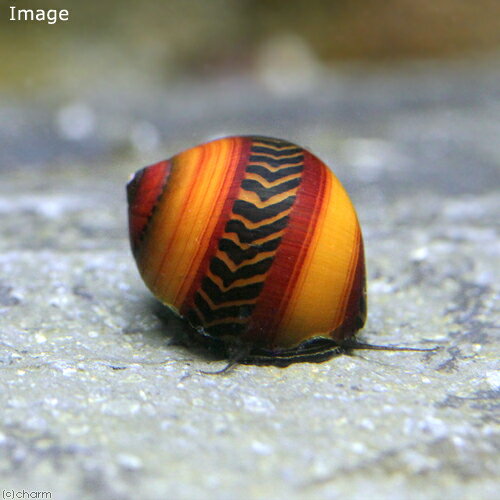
(254, 241)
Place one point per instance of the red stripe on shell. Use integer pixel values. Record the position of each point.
(143, 192)
(290, 256)
(355, 312)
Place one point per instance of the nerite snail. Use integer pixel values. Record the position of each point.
(256, 243)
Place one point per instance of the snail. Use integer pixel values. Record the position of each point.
(254, 241)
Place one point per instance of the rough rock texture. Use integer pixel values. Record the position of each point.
(96, 401)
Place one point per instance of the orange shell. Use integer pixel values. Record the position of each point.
(252, 239)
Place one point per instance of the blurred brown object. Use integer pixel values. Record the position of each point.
(374, 29)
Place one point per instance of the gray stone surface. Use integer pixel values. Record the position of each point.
(96, 401)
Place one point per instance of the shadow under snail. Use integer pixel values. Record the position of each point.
(256, 243)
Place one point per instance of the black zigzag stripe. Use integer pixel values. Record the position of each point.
(273, 162)
(238, 255)
(195, 318)
(292, 150)
(233, 329)
(278, 159)
(271, 141)
(241, 311)
(265, 193)
(220, 269)
(254, 214)
(217, 296)
(246, 235)
(274, 176)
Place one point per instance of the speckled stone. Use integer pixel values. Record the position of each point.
(98, 402)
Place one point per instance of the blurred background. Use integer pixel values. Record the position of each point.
(137, 81)
(128, 79)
